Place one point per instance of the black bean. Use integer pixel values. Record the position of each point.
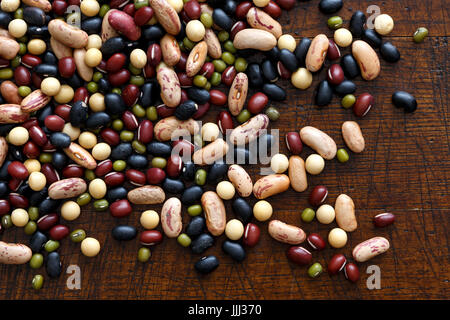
(195, 226)
(350, 66)
(5, 128)
(230, 7)
(221, 19)
(117, 193)
(242, 210)
(92, 25)
(288, 59)
(357, 23)
(53, 265)
(78, 113)
(46, 70)
(137, 161)
(122, 151)
(114, 104)
(59, 160)
(37, 197)
(124, 233)
(153, 33)
(199, 95)
(34, 16)
(16, 153)
(4, 169)
(186, 110)
(372, 38)
(301, 50)
(173, 186)
(113, 45)
(191, 195)
(5, 19)
(389, 52)
(25, 190)
(273, 54)
(103, 86)
(217, 171)
(403, 99)
(202, 242)
(3, 189)
(149, 94)
(38, 32)
(43, 113)
(269, 71)
(330, 6)
(274, 92)
(159, 149)
(48, 205)
(234, 250)
(207, 264)
(345, 87)
(324, 93)
(97, 120)
(50, 58)
(37, 241)
(255, 76)
(188, 171)
(60, 139)
(75, 81)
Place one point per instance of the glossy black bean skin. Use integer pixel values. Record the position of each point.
(149, 94)
(255, 76)
(403, 99)
(43, 113)
(217, 171)
(92, 25)
(288, 59)
(124, 233)
(38, 32)
(97, 120)
(202, 242)
(113, 45)
(34, 16)
(199, 95)
(207, 264)
(274, 92)
(60, 140)
(78, 113)
(46, 70)
(350, 66)
(37, 197)
(221, 19)
(324, 94)
(25, 190)
(122, 151)
(5, 128)
(345, 87)
(389, 52)
(372, 38)
(188, 171)
(114, 104)
(103, 86)
(16, 153)
(186, 110)
(59, 160)
(3, 189)
(301, 50)
(117, 193)
(5, 19)
(159, 149)
(191, 195)
(330, 6)
(234, 250)
(173, 186)
(137, 161)
(269, 71)
(153, 33)
(37, 241)
(48, 205)
(75, 81)
(357, 22)
(229, 7)
(273, 54)
(242, 210)
(195, 226)
(49, 57)
(53, 265)
(4, 169)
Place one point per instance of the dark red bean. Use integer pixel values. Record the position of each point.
(150, 237)
(242, 9)
(114, 179)
(225, 121)
(81, 94)
(217, 97)
(316, 241)
(115, 62)
(120, 208)
(77, 2)
(174, 166)
(145, 131)
(22, 76)
(130, 94)
(18, 170)
(184, 16)
(36, 80)
(59, 232)
(143, 15)
(286, 4)
(184, 96)
(50, 173)
(38, 135)
(154, 54)
(149, 71)
(30, 61)
(110, 136)
(283, 71)
(63, 110)
(238, 26)
(66, 67)
(18, 201)
(31, 150)
(164, 111)
(335, 74)
(228, 75)
(48, 221)
(182, 147)
(54, 122)
(73, 171)
(155, 175)
(59, 7)
(14, 184)
(251, 235)
(130, 121)
(272, 9)
(207, 70)
(363, 104)
(185, 81)
(293, 142)
(129, 9)
(336, 264)
(257, 102)
(192, 9)
(48, 147)
(318, 195)
(4, 63)
(104, 167)
(351, 272)
(101, 66)
(181, 65)
(119, 78)
(4, 207)
(136, 177)
(383, 219)
(30, 122)
(299, 255)
(333, 52)
(201, 111)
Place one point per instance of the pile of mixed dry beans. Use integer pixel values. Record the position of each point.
(95, 95)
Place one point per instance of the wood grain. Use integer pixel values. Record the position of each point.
(405, 170)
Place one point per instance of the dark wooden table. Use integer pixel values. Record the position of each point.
(405, 169)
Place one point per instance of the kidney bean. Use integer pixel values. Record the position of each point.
(14, 184)
(217, 97)
(316, 241)
(4, 207)
(63, 110)
(136, 177)
(143, 15)
(225, 121)
(59, 232)
(150, 237)
(31, 150)
(251, 235)
(273, 9)
(30, 122)
(81, 94)
(228, 75)
(238, 26)
(129, 9)
(164, 111)
(192, 9)
(66, 67)
(73, 171)
(185, 81)
(54, 122)
(149, 71)
(257, 102)
(174, 165)
(145, 131)
(18, 201)
(130, 121)
(383, 219)
(154, 54)
(333, 52)
(115, 62)
(103, 168)
(130, 95)
(335, 74)
(22, 76)
(184, 96)
(207, 70)
(114, 179)
(299, 255)
(50, 173)
(120, 208)
(293, 142)
(47, 221)
(336, 264)
(283, 71)
(363, 104)
(242, 9)
(155, 175)
(18, 170)
(182, 147)
(119, 78)
(202, 109)
(37, 135)
(181, 65)
(30, 61)
(351, 272)
(318, 195)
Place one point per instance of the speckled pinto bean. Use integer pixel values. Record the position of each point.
(14, 253)
(209, 154)
(60, 49)
(286, 233)
(67, 34)
(196, 58)
(249, 130)
(367, 59)
(3, 150)
(170, 85)
(146, 195)
(370, 248)
(67, 188)
(270, 185)
(213, 43)
(214, 213)
(345, 213)
(238, 93)
(166, 16)
(35, 101)
(170, 127)
(353, 136)
(80, 156)
(319, 141)
(170, 50)
(316, 53)
(8, 48)
(12, 113)
(258, 19)
(240, 180)
(254, 39)
(171, 217)
(297, 174)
